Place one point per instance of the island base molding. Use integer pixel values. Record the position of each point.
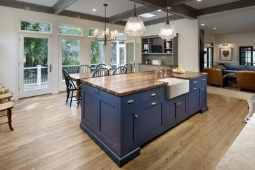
(120, 161)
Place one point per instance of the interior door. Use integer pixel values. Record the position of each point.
(130, 52)
(34, 64)
(69, 57)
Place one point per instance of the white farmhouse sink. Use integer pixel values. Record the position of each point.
(175, 87)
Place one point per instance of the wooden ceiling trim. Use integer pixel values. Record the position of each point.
(162, 20)
(61, 5)
(226, 7)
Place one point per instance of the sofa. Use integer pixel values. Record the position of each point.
(214, 76)
(227, 68)
(246, 80)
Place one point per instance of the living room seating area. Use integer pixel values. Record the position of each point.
(227, 68)
(245, 78)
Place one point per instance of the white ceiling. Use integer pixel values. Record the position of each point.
(208, 3)
(48, 3)
(114, 7)
(230, 21)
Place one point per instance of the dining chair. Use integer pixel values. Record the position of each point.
(100, 66)
(101, 72)
(84, 69)
(120, 70)
(70, 86)
(129, 67)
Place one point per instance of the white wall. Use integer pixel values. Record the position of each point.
(234, 41)
(209, 37)
(188, 42)
(9, 33)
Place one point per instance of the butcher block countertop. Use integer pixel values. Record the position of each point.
(126, 84)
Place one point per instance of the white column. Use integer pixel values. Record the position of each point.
(39, 73)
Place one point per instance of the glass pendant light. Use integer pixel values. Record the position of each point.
(134, 26)
(167, 32)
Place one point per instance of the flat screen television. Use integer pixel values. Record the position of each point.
(156, 49)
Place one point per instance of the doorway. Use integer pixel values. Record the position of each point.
(34, 64)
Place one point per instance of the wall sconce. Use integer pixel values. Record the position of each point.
(224, 44)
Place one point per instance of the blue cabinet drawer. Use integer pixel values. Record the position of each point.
(150, 94)
(204, 80)
(130, 101)
(194, 84)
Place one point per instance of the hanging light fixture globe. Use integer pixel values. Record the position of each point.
(167, 32)
(134, 26)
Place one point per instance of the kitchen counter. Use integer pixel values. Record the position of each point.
(126, 84)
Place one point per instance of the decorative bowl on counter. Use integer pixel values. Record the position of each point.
(178, 70)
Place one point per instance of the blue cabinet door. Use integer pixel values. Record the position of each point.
(204, 97)
(89, 107)
(194, 101)
(129, 119)
(176, 110)
(108, 121)
(150, 120)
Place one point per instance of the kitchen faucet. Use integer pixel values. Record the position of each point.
(159, 67)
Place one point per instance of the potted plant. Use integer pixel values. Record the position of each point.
(146, 59)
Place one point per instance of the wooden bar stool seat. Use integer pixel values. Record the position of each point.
(7, 104)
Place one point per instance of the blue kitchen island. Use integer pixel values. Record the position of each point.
(123, 112)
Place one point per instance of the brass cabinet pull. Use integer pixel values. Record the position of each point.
(130, 101)
(153, 103)
(195, 88)
(195, 82)
(203, 79)
(136, 116)
(178, 104)
(202, 89)
(153, 94)
(50, 67)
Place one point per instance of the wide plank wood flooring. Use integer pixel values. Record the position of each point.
(47, 136)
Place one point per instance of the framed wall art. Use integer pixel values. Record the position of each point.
(226, 54)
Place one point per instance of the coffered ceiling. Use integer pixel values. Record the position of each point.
(225, 15)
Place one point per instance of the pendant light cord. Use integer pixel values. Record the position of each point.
(105, 16)
(167, 21)
(134, 14)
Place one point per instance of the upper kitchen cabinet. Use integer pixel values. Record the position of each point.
(154, 47)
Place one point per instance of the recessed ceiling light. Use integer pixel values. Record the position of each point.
(159, 10)
(214, 28)
(94, 10)
(199, 0)
(202, 24)
(147, 15)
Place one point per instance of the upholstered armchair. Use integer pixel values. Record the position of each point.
(245, 80)
(214, 76)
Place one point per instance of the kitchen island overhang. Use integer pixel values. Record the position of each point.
(123, 112)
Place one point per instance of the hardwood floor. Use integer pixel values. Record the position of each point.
(47, 136)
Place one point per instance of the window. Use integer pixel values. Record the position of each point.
(91, 32)
(70, 30)
(35, 26)
(117, 54)
(246, 56)
(97, 53)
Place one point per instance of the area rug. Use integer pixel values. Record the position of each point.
(231, 84)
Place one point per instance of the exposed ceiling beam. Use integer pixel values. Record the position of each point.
(177, 2)
(26, 6)
(226, 7)
(61, 5)
(128, 14)
(161, 20)
(182, 9)
(82, 16)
